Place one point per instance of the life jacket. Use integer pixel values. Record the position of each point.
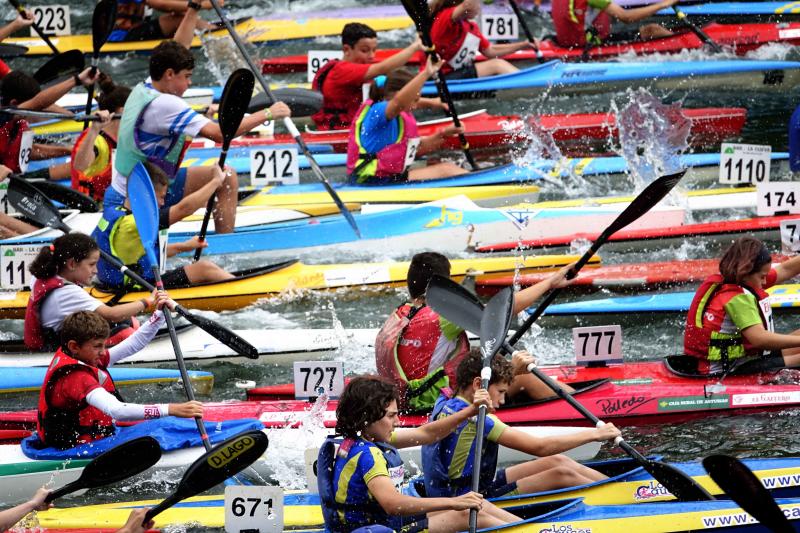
(416, 394)
(62, 428)
(328, 117)
(343, 517)
(128, 153)
(702, 337)
(108, 274)
(391, 160)
(35, 335)
(579, 25)
(4, 69)
(97, 177)
(130, 14)
(16, 142)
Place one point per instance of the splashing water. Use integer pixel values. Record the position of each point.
(651, 136)
(224, 57)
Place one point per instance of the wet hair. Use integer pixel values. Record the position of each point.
(112, 96)
(438, 5)
(170, 54)
(18, 86)
(355, 31)
(395, 80)
(84, 326)
(470, 368)
(744, 257)
(363, 401)
(157, 174)
(423, 267)
(53, 257)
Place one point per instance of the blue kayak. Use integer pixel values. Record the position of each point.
(557, 77)
(29, 379)
(737, 9)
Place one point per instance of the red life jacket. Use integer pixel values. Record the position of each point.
(416, 328)
(4, 68)
(35, 335)
(63, 428)
(12, 128)
(94, 185)
(573, 29)
(328, 117)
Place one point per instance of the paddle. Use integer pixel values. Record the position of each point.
(287, 122)
(53, 115)
(492, 339)
(456, 304)
(215, 466)
(62, 65)
(12, 50)
(716, 48)
(232, 107)
(648, 198)
(526, 30)
(118, 463)
(69, 197)
(746, 490)
(33, 203)
(421, 15)
(35, 26)
(103, 18)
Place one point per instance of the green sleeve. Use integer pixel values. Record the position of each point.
(599, 4)
(449, 330)
(743, 311)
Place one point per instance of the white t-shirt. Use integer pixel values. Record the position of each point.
(165, 118)
(64, 301)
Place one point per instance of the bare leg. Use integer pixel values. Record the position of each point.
(439, 170)
(653, 31)
(454, 521)
(227, 196)
(11, 227)
(204, 271)
(533, 387)
(549, 473)
(493, 67)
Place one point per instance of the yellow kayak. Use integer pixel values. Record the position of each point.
(254, 30)
(254, 284)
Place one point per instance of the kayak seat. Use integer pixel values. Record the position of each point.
(580, 386)
(685, 366)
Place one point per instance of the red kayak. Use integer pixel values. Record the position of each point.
(710, 125)
(760, 227)
(742, 38)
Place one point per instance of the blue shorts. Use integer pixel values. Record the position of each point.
(500, 486)
(176, 189)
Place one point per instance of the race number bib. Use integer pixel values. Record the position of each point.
(25, 147)
(411, 151)
(466, 54)
(397, 474)
(766, 309)
(163, 239)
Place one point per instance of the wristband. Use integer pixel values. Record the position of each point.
(145, 303)
(77, 79)
(268, 114)
(194, 5)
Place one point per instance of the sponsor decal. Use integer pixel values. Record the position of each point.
(686, 403)
(653, 489)
(230, 452)
(565, 528)
(632, 381)
(474, 95)
(779, 482)
(622, 405)
(765, 398)
(789, 33)
(742, 518)
(582, 73)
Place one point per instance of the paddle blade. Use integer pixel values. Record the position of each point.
(495, 322)
(746, 490)
(61, 66)
(71, 198)
(103, 18)
(144, 205)
(302, 102)
(455, 303)
(12, 50)
(121, 462)
(234, 101)
(681, 485)
(33, 203)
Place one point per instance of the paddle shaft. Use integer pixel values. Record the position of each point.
(211, 200)
(90, 92)
(526, 30)
(479, 429)
(696, 30)
(287, 121)
(35, 27)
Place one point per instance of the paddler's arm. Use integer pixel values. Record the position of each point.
(134, 523)
(437, 430)
(524, 298)
(466, 10)
(405, 98)
(499, 50)
(146, 332)
(636, 14)
(41, 151)
(397, 504)
(276, 111)
(763, 339)
(22, 21)
(199, 198)
(394, 62)
(434, 142)
(9, 517)
(50, 95)
(85, 154)
(788, 269)
(544, 446)
(185, 32)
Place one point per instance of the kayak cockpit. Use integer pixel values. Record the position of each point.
(579, 386)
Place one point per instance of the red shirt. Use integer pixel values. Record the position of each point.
(341, 91)
(447, 35)
(70, 391)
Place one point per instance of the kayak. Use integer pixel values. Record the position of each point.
(20, 475)
(765, 228)
(253, 284)
(742, 38)
(257, 31)
(782, 10)
(19, 379)
(555, 78)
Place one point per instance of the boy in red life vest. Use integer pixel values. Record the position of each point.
(78, 402)
(587, 23)
(729, 325)
(11, 226)
(341, 82)
(419, 350)
(458, 40)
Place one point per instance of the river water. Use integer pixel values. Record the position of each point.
(756, 435)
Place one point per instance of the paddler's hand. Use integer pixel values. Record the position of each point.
(193, 244)
(23, 20)
(559, 279)
(191, 409)
(105, 120)
(470, 500)
(481, 397)
(520, 360)
(417, 45)
(607, 431)
(206, 4)
(4, 172)
(135, 522)
(86, 77)
(277, 111)
(449, 131)
(162, 299)
(218, 176)
(37, 502)
(432, 68)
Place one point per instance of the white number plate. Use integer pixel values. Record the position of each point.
(790, 236)
(14, 262)
(313, 378)
(253, 508)
(744, 163)
(274, 167)
(52, 20)
(500, 26)
(597, 343)
(778, 198)
(318, 58)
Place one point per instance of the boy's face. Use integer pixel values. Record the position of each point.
(363, 52)
(161, 194)
(497, 392)
(90, 352)
(176, 83)
(381, 430)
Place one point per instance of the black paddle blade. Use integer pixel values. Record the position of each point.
(234, 101)
(221, 333)
(746, 490)
(495, 322)
(455, 303)
(12, 50)
(103, 18)
(116, 464)
(33, 203)
(63, 65)
(71, 198)
(302, 102)
(683, 487)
